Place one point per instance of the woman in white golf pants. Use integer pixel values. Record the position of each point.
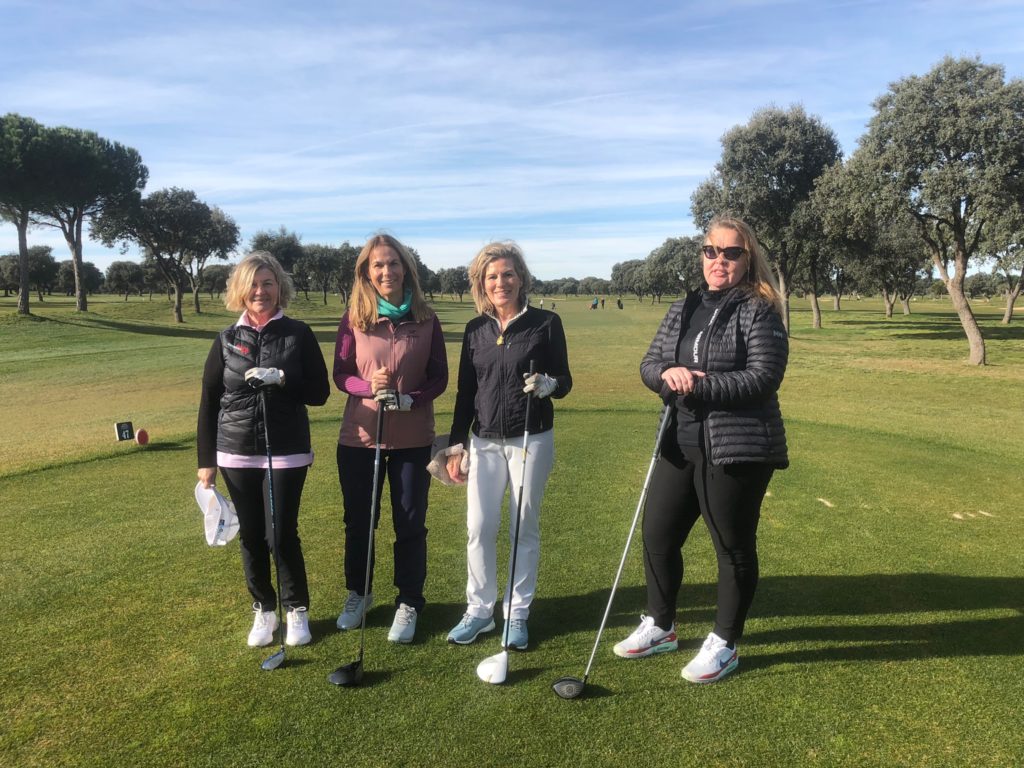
(499, 348)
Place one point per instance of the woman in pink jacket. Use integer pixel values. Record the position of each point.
(389, 353)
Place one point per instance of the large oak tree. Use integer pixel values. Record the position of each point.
(948, 148)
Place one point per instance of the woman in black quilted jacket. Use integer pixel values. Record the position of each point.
(719, 358)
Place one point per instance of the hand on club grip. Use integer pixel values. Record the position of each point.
(540, 384)
(257, 378)
(393, 401)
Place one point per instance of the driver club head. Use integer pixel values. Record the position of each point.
(568, 687)
(347, 675)
(493, 669)
(273, 661)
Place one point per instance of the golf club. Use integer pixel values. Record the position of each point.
(572, 687)
(350, 675)
(494, 669)
(277, 659)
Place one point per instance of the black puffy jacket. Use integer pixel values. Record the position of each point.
(490, 397)
(745, 359)
(229, 417)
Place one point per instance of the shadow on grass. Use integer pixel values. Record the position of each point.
(990, 332)
(145, 330)
(899, 628)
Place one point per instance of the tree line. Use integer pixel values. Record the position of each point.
(936, 185)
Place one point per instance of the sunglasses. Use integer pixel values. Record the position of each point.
(732, 253)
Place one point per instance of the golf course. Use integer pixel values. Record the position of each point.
(887, 630)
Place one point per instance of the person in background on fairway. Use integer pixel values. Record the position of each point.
(389, 354)
(720, 355)
(494, 383)
(284, 355)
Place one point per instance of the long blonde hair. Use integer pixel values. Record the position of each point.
(760, 279)
(240, 280)
(477, 271)
(363, 306)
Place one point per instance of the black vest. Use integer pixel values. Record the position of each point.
(240, 428)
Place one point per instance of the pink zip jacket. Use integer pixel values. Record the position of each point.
(416, 355)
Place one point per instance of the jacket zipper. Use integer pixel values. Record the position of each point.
(703, 366)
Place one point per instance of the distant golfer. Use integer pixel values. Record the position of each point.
(283, 356)
(389, 354)
(721, 354)
(493, 383)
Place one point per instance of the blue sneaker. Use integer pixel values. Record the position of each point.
(467, 630)
(518, 637)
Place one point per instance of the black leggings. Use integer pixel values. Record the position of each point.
(248, 489)
(728, 497)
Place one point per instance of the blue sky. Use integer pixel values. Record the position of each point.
(577, 129)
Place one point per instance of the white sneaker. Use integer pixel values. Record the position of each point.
(404, 626)
(713, 662)
(355, 606)
(298, 626)
(646, 639)
(263, 625)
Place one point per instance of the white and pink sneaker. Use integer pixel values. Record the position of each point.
(714, 661)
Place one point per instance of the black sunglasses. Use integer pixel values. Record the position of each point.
(732, 253)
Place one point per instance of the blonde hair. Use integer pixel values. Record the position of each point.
(362, 310)
(241, 278)
(505, 249)
(760, 279)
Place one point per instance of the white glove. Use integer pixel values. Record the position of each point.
(540, 384)
(438, 466)
(392, 401)
(257, 378)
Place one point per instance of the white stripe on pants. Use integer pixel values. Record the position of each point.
(495, 465)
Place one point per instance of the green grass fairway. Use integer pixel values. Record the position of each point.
(887, 629)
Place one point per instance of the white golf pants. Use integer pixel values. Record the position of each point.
(494, 466)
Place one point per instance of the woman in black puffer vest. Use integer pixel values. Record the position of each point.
(719, 358)
(284, 355)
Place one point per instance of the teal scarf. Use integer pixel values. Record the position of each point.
(386, 309)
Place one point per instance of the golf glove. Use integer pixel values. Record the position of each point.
(392, 401)
(540, 384)
(257, 378)
(438, 466)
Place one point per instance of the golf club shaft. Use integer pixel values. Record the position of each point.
(519, 511)
(273, 512)
(665, 418)
(373, 517)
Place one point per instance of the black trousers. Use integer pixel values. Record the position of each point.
(248, 489)
(406, 472)
(683, 488)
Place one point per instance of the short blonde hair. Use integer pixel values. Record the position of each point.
(363, 306)
(760, 279)
(505, 249)
(241, 278)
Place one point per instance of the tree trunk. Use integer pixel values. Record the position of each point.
(815, 310)
(325, 294)
(1011, 298)
(835, 303)
(890, 300)
(195, 299)
(784, 290)
(24, 291)
(81, 301)
(955, 289)
(905, 301)
(178, 318)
